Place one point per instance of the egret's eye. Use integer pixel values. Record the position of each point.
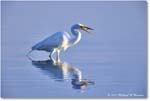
(82, 27)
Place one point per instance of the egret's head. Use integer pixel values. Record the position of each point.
(82, 27)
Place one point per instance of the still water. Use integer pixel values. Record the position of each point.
(111, 62)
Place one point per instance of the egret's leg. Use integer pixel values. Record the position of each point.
(58, 58)
(51, 55)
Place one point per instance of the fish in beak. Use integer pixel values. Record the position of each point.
(85, 28)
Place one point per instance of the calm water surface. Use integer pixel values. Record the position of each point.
(113, 58)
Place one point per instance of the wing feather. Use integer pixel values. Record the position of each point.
(50, 43)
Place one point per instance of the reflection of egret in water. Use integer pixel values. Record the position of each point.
(63, 71)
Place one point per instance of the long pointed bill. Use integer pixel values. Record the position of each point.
(85, 28)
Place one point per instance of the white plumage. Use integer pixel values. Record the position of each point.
(57, 40)
(61, 40)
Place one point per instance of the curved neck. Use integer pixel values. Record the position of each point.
(76, 36)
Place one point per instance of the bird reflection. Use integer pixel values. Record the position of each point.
(60, 71)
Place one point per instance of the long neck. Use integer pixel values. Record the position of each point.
(76, 36)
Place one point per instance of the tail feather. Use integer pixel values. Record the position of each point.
(28, 54)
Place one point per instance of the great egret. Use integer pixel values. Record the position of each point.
(61, 40)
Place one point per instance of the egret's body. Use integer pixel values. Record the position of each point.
(61, 40)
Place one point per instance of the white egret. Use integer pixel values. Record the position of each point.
(61, 40)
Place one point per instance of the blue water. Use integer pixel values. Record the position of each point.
(113, 58)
